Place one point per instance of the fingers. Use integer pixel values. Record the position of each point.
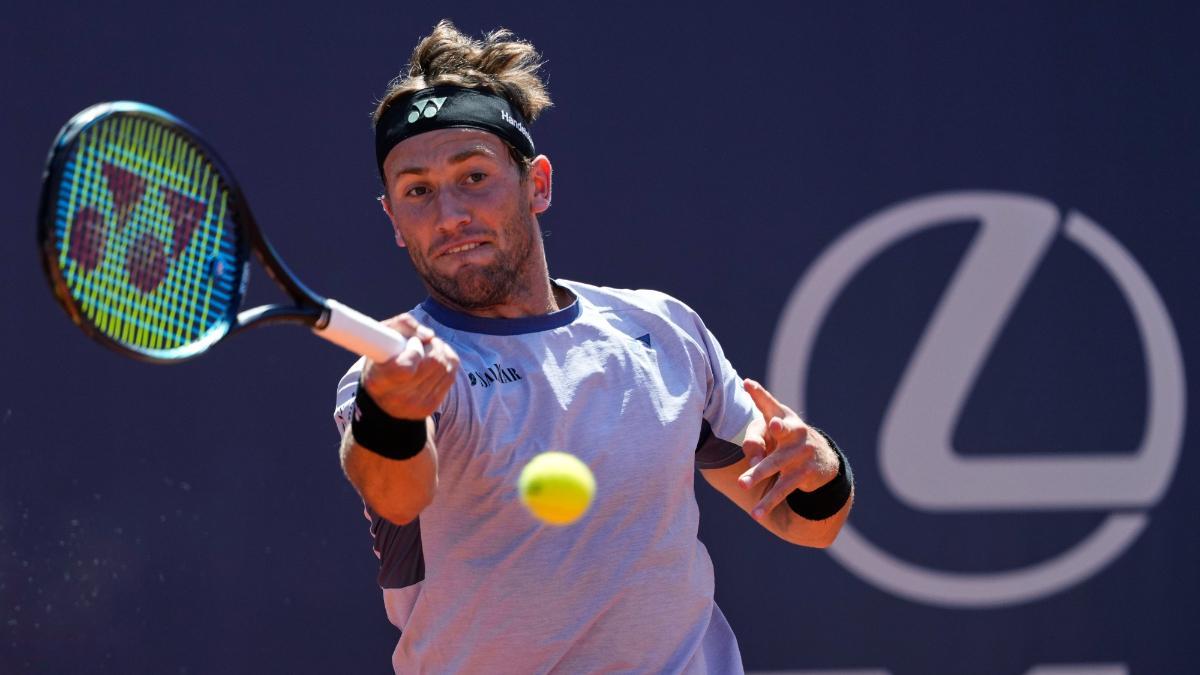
(407, 326)
(763, 400)
(416, 334)
(754, 445)
(772, 464)
(414, 383)
(763, 437)
(412, 353)
(437, 393)
(758, 442)
(806, 465)
(776, 425)
(790, 429)
(782, 468)
(816, 470)
(437, 362)
(414, 392)
(774, 496)
(435, 376)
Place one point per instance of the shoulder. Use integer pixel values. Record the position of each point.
(617, 300)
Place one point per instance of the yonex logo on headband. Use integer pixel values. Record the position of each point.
(449, 107)
(426, 107)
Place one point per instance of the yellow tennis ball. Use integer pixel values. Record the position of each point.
(557, 488)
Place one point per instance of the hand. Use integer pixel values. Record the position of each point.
(782, 450)
(412, 385)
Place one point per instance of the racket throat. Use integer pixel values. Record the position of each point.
(269, 315)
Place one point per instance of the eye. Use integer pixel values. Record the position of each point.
(476, 177)
(417, 191)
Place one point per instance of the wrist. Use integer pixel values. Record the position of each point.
(376, 431)
(827, 500)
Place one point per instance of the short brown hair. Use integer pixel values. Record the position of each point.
(499, 63)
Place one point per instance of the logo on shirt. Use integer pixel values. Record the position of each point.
(496, 374)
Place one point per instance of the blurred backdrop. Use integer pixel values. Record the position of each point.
(961, 237)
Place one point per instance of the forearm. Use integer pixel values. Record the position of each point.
(811, 518)
(397, 490)
(781, 521)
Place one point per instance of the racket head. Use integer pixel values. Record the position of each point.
(145, 235)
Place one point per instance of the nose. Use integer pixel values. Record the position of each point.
(452, 211)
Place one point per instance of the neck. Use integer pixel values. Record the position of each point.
(547, 298)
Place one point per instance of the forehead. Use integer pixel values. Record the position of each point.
(435, 148)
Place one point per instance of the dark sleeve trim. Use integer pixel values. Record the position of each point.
(713, 452)
(401, 556)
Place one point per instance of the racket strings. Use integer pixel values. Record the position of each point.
(143, 237)
(116, 189)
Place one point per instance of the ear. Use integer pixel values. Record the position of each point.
(387, 208)
(540, 183)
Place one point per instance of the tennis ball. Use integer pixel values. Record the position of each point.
(557, 488)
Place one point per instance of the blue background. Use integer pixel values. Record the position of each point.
(193, 519)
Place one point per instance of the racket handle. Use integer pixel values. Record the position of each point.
(363, 335)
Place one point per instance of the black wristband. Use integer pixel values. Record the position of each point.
(383, 434)
(828, 499)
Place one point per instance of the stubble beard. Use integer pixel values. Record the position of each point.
(482, 286)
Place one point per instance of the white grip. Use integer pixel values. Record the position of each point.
(363, 335)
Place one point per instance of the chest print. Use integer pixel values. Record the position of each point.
(493, 375)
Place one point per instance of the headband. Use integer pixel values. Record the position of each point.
(448, 106)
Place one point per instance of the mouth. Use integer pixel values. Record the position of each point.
(461, 248)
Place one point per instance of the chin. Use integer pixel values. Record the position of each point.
(477, 286)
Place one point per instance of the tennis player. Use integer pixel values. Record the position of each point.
(517, 363)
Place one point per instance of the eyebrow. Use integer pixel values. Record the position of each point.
(459, 158)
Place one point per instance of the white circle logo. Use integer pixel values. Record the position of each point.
(916, 460)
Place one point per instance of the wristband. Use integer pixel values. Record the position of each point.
(382, 434)
(828, 499)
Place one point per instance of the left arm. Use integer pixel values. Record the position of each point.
(782, 454)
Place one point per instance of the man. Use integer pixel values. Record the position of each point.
(516, 363)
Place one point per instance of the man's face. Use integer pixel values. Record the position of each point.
(458, 203)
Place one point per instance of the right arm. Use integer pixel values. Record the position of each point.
(398, 490)
(409, 387)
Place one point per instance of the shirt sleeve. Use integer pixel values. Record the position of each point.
(398, 547)
(728, 408)
(343, 406)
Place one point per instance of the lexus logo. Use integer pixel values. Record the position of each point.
(916, 460)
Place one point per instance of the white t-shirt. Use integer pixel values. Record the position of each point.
(632, 383)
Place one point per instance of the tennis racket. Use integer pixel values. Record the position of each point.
(146, 239)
